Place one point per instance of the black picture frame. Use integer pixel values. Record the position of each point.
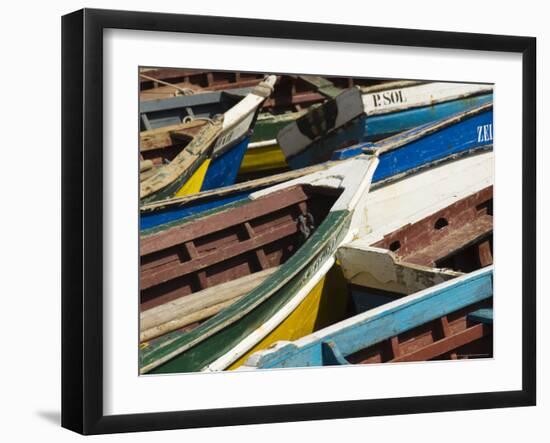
(82, 219)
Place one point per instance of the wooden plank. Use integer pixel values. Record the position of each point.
(378, 268)
(485, 254)
(218, 222)
(394, 342)
(458, 239)
(444, 345)
(198, 306)
(194, 255)
(157, 276)
(260, 254)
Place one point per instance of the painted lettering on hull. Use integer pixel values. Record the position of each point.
(485, 133)
(388, 98)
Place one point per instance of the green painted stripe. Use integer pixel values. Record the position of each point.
(203, 345)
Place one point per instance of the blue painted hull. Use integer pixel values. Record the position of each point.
(455, 139)
(223, 170)
(461, 137)
(377, 127)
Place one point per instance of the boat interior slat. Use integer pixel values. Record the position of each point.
(442, 338)
(226, 219)
(160, 274)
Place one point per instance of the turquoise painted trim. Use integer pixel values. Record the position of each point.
(482, 316)
(399, 317)
(331, 354)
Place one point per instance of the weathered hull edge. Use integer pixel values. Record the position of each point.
(171, 189)
(298, 269)
(452, 140)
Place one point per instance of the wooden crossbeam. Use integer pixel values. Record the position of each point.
(445, 345)
(157, 276)
(458, 239)
(208, 225)
(194, 255)
(260, 253)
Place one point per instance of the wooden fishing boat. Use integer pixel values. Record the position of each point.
(182, 109)
(456, 238)
(353, 117)
(211, 159)
(296, 225)
(427, 246)
(448, 321)
(264, 154)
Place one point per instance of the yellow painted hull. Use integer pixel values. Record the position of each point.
(325, 304)
(194, 184)
(263, 158)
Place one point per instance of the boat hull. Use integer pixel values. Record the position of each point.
(376, 127)
(223, 169)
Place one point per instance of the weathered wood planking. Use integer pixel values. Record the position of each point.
(458, 236)
(379, 268)
(450, 337)
(197, 307)
(210, 244)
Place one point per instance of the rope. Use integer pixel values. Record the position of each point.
(184, 91)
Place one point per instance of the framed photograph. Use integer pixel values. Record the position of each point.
(269, 221)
